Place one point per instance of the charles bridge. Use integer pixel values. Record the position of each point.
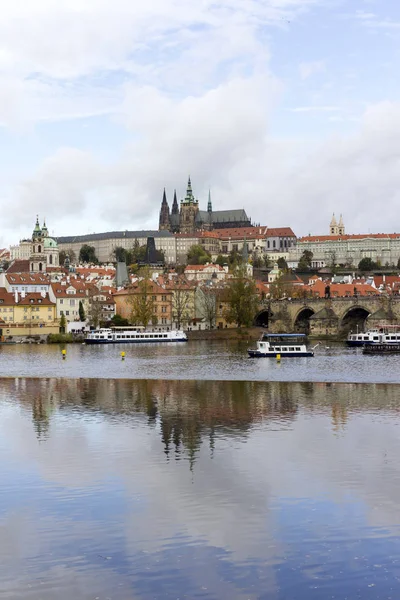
(331, 317)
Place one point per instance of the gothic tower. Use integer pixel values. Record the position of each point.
(189, 210)
(174, 219)
(341, 226)
(333, 227)
(164, 222)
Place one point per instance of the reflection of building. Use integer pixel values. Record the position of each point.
(41, 250)
(188, 218)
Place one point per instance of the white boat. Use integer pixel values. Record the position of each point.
(283, 344)
(385, 334)
(133, 335)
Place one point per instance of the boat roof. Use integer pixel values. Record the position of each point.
(285, 335)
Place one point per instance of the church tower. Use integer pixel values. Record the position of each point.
(164, 222)
(341, 226)
(333, 227)
(189, 210)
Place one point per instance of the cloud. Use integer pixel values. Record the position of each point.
(301, 109)
(308, 69)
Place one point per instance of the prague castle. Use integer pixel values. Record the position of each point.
(188, 218)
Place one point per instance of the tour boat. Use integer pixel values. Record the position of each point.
(385, 334)
(282, 344)
(133, 335)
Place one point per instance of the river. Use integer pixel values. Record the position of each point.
(226, 360)
(186, 472)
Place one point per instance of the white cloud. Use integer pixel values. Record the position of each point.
(308, 69)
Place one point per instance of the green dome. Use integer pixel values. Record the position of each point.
(49, 243)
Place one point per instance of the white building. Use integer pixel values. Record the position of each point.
(347, 249)
(41, 251)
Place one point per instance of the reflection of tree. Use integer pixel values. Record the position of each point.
(191, 413)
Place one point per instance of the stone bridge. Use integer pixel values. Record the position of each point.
(331, 317)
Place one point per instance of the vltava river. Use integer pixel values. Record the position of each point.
(164, 489)
(196, 360)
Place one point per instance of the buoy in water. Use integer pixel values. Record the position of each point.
(278, 358)
(64, 353)
(123, 355)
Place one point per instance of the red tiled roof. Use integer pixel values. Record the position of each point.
(25, 277)
(358, 236)
(19, 266)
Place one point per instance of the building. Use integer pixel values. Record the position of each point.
(347, 249)
(188, 218)
(259, 240)
(41, 250)
(206, 239)
(206, 272)
(24, 314)
(105, 243)
(145, 292)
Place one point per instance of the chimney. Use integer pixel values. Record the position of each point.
(16, 297)
(43, 294)
(22, 294)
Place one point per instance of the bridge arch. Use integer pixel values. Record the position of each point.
(302, 320)
(263, 318)
(354, 318)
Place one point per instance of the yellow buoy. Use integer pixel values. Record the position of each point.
(123, 355)
(64, 353)
(278, 357)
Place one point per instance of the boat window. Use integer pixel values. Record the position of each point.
(376, 337)
(277, 349)
(298, 349)
(291, 349)
(165, 335)
(366, 338)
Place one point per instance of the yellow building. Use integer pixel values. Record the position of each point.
(27, 314)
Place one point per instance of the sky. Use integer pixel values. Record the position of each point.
(287, 108)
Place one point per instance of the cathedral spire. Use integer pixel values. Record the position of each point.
(175, 207)
(164, 222)
(209, 205)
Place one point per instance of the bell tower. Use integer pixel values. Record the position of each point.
(333, 227)
(189, 210)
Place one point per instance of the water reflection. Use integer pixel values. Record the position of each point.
(161, 489)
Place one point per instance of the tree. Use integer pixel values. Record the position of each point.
(87, 254)
(282, 264)
(197, 255)
(142, 304)
(180, 304)
(398, 264)
(64, 254)
(366, 264)
(305, 261)
(82, 316)
(123, 255)
(234, 259)
(243, 300)
(208, 305)
(119, 321)
(63, 323)
(258, 261)
(221, 260)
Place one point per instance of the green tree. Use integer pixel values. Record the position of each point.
(221, 260)
(63, 323)
(366, 264)
(243, 300)
(234, 259)
(87, 254)
(119, 321)
(197, 255)
(82, 316)
(282, 264)
(305, 261)
(257, 262)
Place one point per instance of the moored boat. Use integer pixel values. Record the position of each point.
(281, 344)
(384, 334)
(133, 335)
(382, 349)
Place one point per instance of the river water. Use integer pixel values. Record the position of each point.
(196, 360)
(166, 487)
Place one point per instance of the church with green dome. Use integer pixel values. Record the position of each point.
(45, 252)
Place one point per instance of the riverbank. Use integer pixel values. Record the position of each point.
(242, 333)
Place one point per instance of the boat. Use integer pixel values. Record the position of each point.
(281, 344)
(384, 334)
(381, 349)
(133, 335)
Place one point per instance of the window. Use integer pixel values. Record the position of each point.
(163, 298)
(163, 309)
(274, 243)
(61, 301)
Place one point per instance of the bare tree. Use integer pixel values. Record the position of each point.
(180, 303)
(142, 304)
(208, 305)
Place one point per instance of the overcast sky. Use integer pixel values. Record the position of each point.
(288, 108)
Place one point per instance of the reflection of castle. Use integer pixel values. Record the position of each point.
(189, 218)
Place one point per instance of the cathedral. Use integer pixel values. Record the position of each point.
(188, 218)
